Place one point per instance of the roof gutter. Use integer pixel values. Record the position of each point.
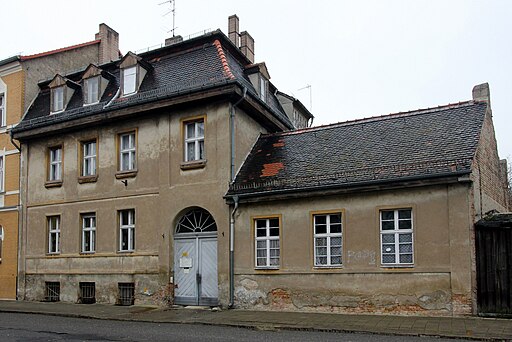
(262, 195)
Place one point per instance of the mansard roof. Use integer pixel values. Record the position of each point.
(196, 66)
(411, 146)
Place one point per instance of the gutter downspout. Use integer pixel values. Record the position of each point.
(235, 207)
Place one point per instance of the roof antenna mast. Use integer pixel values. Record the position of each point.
(310, 96)
(171, 3)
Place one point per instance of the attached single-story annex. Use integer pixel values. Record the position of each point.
(371, 215)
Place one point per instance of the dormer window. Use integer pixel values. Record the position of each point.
(58, 99)
(129, 80)
(61, 91)
(133, 70)
(91, 90)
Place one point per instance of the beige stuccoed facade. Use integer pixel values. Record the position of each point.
(160, 193)
(439, 282)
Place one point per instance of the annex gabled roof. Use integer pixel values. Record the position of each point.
(423, 144)
(192, 67)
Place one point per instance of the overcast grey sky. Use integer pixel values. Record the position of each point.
(362, 58)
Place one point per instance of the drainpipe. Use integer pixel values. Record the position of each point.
(232, 254)
(235, 199)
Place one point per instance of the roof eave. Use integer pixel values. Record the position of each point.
(364, 186)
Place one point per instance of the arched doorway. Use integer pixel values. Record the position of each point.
(195, 259)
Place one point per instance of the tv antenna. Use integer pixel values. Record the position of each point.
(171, 3)
(310, 96)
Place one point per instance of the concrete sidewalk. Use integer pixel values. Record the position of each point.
(456, 327)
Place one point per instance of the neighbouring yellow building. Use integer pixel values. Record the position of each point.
(19, 77)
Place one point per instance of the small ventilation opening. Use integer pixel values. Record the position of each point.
(87, 293)
(52, 291)
(126, 293)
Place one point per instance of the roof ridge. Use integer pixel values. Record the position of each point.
(67, 48)
(378, 118)
(223, 59)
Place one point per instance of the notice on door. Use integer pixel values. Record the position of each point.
(185, 262)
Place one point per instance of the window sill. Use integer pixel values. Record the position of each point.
(53, 184)
(336, 267)
(87, 179)
(266, 268)
(126, 174)
(56, 254)
(391, 266)
(87, 253)
(196, 164)
(127, 251)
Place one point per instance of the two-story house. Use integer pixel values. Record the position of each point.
(18, 87)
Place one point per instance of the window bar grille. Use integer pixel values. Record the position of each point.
(87, 293)
(126, 293)
(52, 291)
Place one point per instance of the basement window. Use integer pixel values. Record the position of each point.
(52, 291)
(87, 292)
(126, 293)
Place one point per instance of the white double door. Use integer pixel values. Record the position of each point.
(195, 270)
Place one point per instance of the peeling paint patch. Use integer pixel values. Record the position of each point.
(271, 169)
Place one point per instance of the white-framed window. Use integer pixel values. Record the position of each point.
(129, 80)
(127, 230)
(1, 241)
(396, 236)
(267, 245)
(194, 140)
(53, 234)
(89, 158)
(2, 110)
(2, 174)
(57, 99)
(127, 149)
(91, 90)
(88, 233)
(55, 167)
(328, 239)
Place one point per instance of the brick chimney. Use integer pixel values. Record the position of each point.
(233, 30)
(481, 92)
(109, 44)
(247, 45)
(173, 40)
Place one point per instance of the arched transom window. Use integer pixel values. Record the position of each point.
(196, 221)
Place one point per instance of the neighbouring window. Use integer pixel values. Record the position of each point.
(194, 140)
(89, 158)
(55, 167)
(53, 234)
(328, 239)
(126, 293)
(91, 90)
(87, 292)
(266, 233)
(263, 88)
(129, 80)
(2, 110)
(88, 233)
(58, 99)
(396, 232)
(127, 230)
(52, 291)
(127, 149)
(1, 241)
(2, 174)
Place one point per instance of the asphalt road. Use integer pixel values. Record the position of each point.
(29, 327)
